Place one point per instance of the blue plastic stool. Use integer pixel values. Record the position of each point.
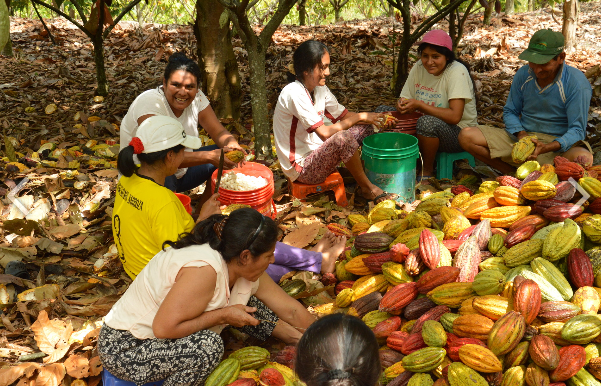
(109, 379)
(444, 163)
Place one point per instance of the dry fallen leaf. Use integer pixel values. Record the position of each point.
(77, 366)
(51, 336)
(64, 231)
(11, 374)
(303, 236)
(95, 366)
(50, 109)
(51, 375)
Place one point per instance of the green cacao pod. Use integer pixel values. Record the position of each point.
(424, 360)
(489, 282)
(434, 334)
(225, 373)
(581, 329)
(251, 357)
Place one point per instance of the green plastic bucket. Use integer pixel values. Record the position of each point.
(390, 161)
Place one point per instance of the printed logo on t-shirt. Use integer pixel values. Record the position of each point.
(428, 95)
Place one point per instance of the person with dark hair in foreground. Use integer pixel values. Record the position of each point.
(549, 99)
(338, 350)
(313, 132)
(440, 86)
(180, 98)
(167, 324)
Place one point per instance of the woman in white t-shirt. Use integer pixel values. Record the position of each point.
(167, 324)
(440, 86)
(313, 132)
(180, 98)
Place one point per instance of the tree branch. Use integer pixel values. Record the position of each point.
(283, 9)
(343, 3)
(426, 25)
(125, 10)
(80, 11)
(50, 7)
(43, 23)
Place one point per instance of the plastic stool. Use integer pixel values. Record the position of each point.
(334, 182)
(444, 163)
(109, 379)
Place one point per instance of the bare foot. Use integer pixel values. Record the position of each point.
(330, 246)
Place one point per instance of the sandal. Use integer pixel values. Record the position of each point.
(376, 200)
(420, 179)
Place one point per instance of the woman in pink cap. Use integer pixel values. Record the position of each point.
(440, 86)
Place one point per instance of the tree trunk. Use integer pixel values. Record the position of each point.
(530, 5)
(220, 79)
(140, 15)
(336, 14)
(302, 12)
(570, 22)
(453, 30)
(258, 98)
(98, 43)
(509, 7)
(488, 13)
(8, 48)
(402, 66)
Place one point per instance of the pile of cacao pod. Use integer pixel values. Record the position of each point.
(483, 285)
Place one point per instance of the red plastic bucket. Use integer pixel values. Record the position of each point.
(260, 199)
(186, 201)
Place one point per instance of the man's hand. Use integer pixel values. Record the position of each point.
(210, 207)
(542, 148)
(521, 134)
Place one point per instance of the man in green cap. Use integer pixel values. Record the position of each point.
(549, 99)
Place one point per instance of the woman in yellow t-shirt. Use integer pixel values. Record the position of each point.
(166, 325)
(146, 213)
(440, 86)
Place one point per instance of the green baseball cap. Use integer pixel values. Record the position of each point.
(544, 45)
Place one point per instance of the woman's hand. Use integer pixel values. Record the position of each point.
(372, 118)
(210, 207)
(240, 315)
(406, 106)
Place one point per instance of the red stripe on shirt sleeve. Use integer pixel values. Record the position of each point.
(293, 126)
(331, 117)
(314, 127)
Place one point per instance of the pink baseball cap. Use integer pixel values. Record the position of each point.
(437, 37)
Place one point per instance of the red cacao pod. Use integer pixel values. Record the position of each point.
(527, 299)
(518, 235)
(580, 269)
(571, 359)
(543, 352)
(429, 249)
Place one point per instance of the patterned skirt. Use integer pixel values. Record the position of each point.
(184, 361)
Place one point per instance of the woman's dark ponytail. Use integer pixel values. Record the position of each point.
(125, 161)
(230, 235)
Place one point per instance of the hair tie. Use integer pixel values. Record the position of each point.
(218, 227)
(338, 374)
(137, 144)
(257, 231)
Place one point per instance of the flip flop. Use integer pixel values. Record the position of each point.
(419, 179)
(376, 200)
(382, 197)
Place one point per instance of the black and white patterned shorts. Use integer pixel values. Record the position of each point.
(185, 361)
